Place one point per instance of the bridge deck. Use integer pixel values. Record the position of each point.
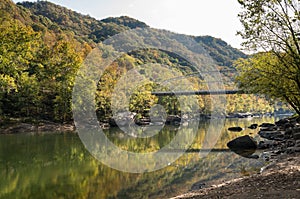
(203, 92)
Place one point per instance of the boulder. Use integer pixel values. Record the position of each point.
(243, 142)
(282, 122)
(173, 119)
(272, 128)
(244, 146)
(272, 135)
(235, 129)
(253, 126)
(267, 125)
(296, 136)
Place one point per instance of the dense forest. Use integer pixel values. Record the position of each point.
(43, 45)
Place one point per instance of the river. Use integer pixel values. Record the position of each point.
(53, 165)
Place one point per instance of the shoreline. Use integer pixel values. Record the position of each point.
(280, 178)
(42, 126)
(29, 125)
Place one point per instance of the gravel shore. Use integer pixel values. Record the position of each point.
(280, 179)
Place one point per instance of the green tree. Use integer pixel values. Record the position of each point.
(57, 78)
(271, 26)
(19, 45)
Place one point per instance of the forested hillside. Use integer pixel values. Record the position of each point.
(84, 27)
(222, 53)
(44, 44)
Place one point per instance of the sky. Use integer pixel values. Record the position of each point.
(217, 18)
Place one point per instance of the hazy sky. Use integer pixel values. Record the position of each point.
(217, 18)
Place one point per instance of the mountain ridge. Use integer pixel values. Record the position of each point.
(91, 30)
(82, 25)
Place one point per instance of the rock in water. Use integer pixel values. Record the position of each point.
(243, 142)
(253, 126)
(235, 129)
(244, 146)
(267, 125)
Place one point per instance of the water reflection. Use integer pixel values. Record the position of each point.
(58, 166)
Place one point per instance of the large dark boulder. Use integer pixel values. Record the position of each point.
(244, 146)
(243, 142)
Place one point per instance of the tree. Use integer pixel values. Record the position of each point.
(18, 47)
(60, 65)
(271, 26)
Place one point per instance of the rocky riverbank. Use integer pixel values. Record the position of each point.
(279, 179)
(17, 126)
(27, 125)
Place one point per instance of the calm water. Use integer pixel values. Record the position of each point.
(59, 166)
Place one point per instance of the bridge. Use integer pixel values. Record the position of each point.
(201, 92)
